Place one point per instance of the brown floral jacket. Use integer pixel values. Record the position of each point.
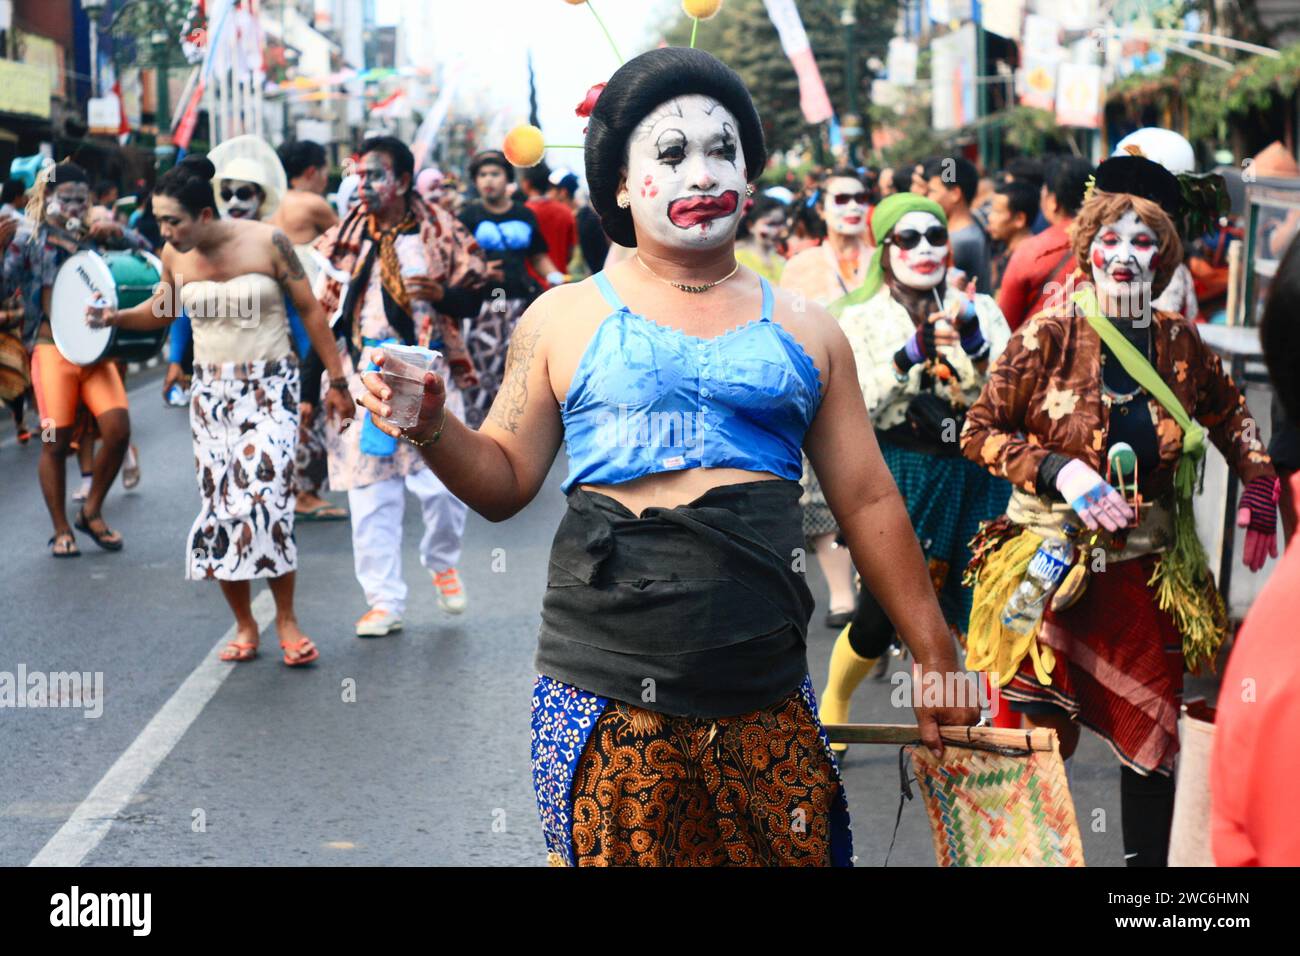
(1044, 394)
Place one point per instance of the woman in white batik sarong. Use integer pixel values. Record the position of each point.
(231, 278)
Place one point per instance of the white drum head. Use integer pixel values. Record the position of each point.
(80, 281)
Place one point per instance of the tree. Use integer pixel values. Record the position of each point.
(743, 37)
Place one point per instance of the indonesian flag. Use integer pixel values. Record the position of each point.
(814, 102)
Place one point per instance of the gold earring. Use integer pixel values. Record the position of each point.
(749, 189)
(624, 200)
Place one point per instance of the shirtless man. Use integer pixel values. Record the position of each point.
(304, 213)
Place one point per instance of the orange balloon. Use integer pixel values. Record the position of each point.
(524, 146)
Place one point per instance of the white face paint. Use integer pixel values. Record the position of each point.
(69, 203)
(241, 208)
(1125, 256)
(849, 216)
(924, 265)
(686, 174)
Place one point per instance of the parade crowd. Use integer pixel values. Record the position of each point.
(928, 375)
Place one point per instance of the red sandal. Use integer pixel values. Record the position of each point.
(306, 657)
(239, 651)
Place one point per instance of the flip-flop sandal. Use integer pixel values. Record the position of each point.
(82, 524)
(73, 552)
(24, 435)
(322, 512)
(238, 651)
(131, 472)
(297, 646)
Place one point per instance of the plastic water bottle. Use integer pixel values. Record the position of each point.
(1025, 607)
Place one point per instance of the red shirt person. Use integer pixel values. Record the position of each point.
(554, 218)
(1256, 765)
(1046, 258)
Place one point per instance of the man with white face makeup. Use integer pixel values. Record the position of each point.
(401, 271)
(1094, 414)
(63, 207)
(673, 717)
(823, 274)
(922, 351)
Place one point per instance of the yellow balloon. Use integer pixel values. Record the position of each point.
(702, 9)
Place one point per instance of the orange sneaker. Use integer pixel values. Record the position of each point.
(451, 594)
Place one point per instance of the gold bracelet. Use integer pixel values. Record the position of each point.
(436, 435)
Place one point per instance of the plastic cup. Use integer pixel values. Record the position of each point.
(403, 371)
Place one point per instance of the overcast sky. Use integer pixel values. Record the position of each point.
(570, 53)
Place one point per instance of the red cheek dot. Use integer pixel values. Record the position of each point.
(1098, 259)
(1155, 262)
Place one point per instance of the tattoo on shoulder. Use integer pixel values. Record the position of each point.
(508, 408)
(288, 256)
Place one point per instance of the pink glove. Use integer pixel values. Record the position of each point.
(1258, 515)
(1095, 501)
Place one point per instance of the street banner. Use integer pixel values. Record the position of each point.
(422, 146)
(1003, 17)
(1036, 80)
(814, 102)
(1042, 35)
(184, 131)
(953, 81)
(1078, 95)
(901, 62)
(24, 89)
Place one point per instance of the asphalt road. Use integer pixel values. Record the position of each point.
(410, 750)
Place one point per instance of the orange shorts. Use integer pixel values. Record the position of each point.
(61, 385)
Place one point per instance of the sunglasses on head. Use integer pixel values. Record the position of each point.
(243, 193)
(910, 238)
(843, 199)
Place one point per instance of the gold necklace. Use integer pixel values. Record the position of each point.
(695, 289)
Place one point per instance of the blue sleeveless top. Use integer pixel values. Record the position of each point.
(647, 399)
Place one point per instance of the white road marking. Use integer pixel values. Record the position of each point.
(91, 821)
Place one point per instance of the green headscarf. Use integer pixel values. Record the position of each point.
(883, 220)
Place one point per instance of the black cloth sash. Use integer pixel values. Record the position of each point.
(708, 600)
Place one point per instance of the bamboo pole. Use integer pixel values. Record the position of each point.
(1038, 738)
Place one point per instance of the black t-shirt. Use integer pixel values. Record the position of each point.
(510, 237)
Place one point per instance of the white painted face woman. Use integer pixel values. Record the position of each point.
(924, 265)
(845, 207)
(243, 199)
(1125, 256)
(686, 174)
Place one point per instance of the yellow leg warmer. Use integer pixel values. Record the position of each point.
(847, 671)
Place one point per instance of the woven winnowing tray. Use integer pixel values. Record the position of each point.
(998, 809)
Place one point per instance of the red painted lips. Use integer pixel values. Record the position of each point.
(685, 213)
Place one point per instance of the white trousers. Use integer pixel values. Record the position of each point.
(377, 512)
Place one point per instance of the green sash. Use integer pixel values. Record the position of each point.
(1182, 579)
(1136, 364)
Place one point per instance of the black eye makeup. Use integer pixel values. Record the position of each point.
(671, 146)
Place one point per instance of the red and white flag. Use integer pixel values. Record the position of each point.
(814, 102)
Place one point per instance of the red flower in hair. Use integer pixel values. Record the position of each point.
(589, 102)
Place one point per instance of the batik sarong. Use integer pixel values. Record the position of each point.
(311, 460)
(244, 419)
(621, 785)
(488, 339)
(1119, 666)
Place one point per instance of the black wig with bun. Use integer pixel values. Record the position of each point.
(633, 92)
(189, 182)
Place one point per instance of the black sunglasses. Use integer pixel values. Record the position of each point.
(243, 193)
(910, 238)
(842, 199)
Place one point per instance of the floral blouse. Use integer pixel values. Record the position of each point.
(1045, 395)
(879, 327)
